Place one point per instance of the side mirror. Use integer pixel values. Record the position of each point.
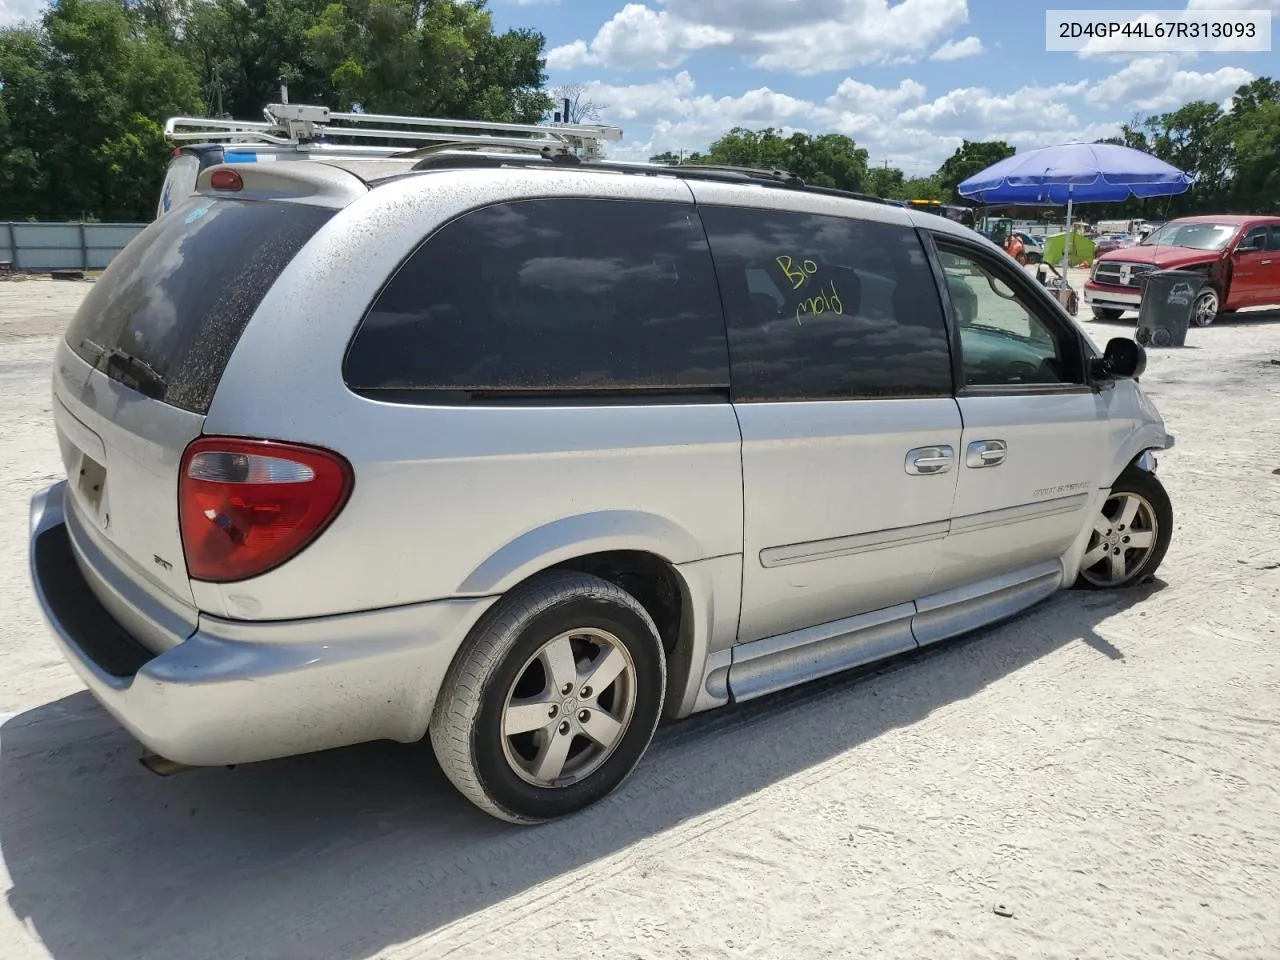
(1123, 359)
(1252, 245)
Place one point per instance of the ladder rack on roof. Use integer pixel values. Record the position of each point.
(300, 125)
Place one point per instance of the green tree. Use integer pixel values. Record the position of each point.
(1254, 128)
(972, 156)
(83, 93)
(424, 57)
(886, 182)
(24, 99)
(764, 149)
(1255, 94)
(671, 158)
(826, 160)
(924, 188)
(1194, 138)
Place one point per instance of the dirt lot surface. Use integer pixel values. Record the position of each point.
(1097, 779)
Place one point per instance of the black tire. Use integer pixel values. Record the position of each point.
(467, 730)
(1148, 487)
(1107, 314)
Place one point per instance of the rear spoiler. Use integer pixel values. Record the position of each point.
(319, 184)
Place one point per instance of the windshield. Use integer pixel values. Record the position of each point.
(1196, 236)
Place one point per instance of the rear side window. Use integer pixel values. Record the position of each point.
(166, 314)
(827, 308)
(549, 298)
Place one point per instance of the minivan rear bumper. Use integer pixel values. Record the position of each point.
(235, 691)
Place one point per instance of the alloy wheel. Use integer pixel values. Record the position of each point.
(1123, 537)
(569, 707)
(1205, 308)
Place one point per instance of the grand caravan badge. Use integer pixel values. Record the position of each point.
(1061, 490)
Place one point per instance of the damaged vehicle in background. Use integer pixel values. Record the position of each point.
(1239, 256)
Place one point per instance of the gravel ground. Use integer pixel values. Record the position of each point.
(1097, 779)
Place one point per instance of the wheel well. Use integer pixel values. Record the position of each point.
(648, 578)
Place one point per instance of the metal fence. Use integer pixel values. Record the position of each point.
(63, 246)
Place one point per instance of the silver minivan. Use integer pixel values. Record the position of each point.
(525, 455)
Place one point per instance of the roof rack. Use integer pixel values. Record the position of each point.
(723, 173)
(301, 125)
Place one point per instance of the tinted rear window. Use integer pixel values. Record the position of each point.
(549, 298)
(172, 305)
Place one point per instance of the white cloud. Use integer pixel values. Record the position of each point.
(1153, 83)
(854, 96)
(13, 12)
(958, 49)
(570, 55)
(969, 109)
(897, 124)
(786, 36)
(639, 38)
(865, 32)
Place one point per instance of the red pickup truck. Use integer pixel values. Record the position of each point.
(1240, 256)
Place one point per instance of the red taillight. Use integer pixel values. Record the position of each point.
(226, 180)
(247, 506)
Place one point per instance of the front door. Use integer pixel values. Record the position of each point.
(1255, 268)
(841, 376)
(1037, 441)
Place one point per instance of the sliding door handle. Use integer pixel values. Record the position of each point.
(927, 461)
(985, 453)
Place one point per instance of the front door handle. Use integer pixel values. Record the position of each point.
(927, 461)
(985, 453)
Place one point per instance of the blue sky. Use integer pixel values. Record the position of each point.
(907, 79)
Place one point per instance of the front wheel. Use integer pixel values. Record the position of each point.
(1129, 535)
(552, 701)
(1205, 309)
(1108, 314)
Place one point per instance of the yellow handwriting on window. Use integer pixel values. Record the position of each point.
(827, 301)
(797, 275)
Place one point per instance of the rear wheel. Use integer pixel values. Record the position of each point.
(553, 700)
(1130, 534)
(1109, 314)
(1205, 309)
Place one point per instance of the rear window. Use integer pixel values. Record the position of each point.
(535, 299)
(169, 310)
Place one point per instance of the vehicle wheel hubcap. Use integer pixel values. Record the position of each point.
(569, 708)
(1206, 309)
(1123, 537)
